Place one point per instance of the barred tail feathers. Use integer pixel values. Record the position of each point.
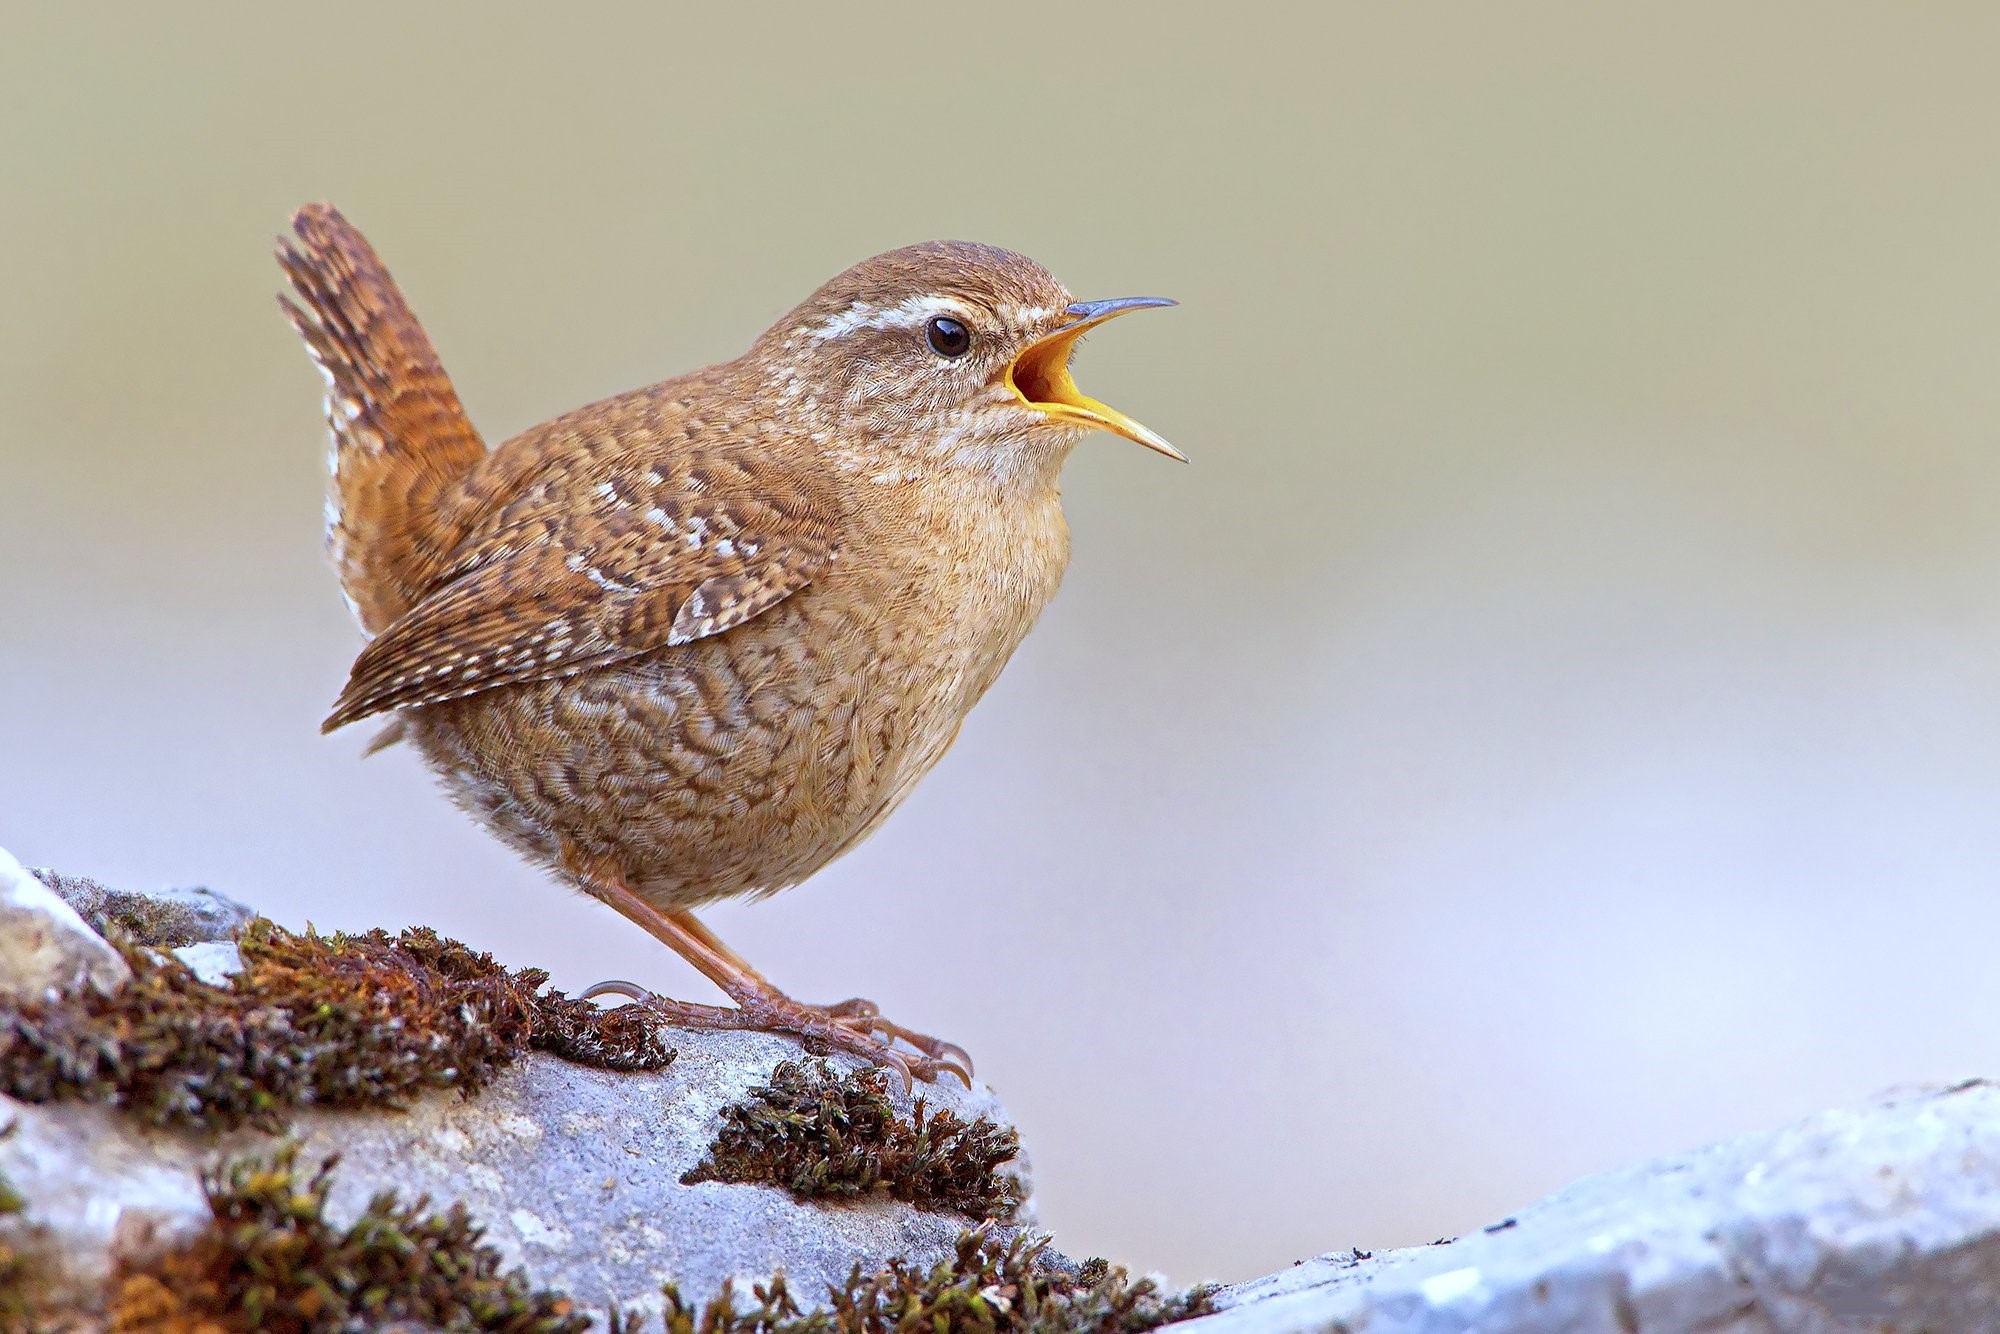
(400, 435)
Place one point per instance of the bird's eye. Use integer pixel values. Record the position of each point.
(947, 337)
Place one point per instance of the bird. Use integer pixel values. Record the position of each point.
(697, 640)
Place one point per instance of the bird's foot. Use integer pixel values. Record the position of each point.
(857, 1026)
(866, 1015)
(854, 1026)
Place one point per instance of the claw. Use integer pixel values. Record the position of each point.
(958, 1057)
(895, 1060)
(616, 987)
(964, 1072)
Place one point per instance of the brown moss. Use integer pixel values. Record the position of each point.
(270, 1261)
(819, 1134)
(988, 1287)
(371, 1019)
(17, 1273)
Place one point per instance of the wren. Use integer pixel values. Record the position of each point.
(700, 639)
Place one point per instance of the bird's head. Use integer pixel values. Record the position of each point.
(946, 354)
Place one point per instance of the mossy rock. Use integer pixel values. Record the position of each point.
(572, 1133)
(167, 918)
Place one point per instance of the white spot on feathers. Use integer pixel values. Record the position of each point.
(578, 564)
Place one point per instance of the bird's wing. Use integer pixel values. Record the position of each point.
(582, 569)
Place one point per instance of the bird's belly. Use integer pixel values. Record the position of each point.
(737, 764)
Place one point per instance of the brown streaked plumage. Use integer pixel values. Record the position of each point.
(699, 639)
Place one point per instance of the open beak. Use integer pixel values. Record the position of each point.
(1040, 375)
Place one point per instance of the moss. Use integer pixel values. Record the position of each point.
(349, 1021)
(988, 1287)
(819, 1134)
(269, 1260)
(17, 1272)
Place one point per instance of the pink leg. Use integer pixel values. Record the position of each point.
(853, 1026)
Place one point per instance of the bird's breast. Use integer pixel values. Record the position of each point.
(949, 600)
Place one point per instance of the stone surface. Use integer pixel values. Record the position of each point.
(575, 1172)
(1884, 1218)
(45, 947)
(213, 961)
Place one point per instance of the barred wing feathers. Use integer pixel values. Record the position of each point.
(594, 566)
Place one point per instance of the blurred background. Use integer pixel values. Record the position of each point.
(1555, 720)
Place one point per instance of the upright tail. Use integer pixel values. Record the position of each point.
(400, 435)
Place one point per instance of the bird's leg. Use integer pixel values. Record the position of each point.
(850, 1010)
(851, 1026)
(695, 927)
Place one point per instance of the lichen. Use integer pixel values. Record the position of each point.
(987, 1287)
(184, 917)
(820, 1135)
(269, 1261)
(364, 1020)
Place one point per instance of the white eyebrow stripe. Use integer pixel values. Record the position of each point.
(905, 314)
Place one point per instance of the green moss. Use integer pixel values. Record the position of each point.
(270, 1261)
(819, 1134)
(363, 1020)
(988, 1287)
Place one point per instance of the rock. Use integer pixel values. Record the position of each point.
(45, 947)
(166, 917)
(1885, 1218)
(575, 1172)
(213, 961)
